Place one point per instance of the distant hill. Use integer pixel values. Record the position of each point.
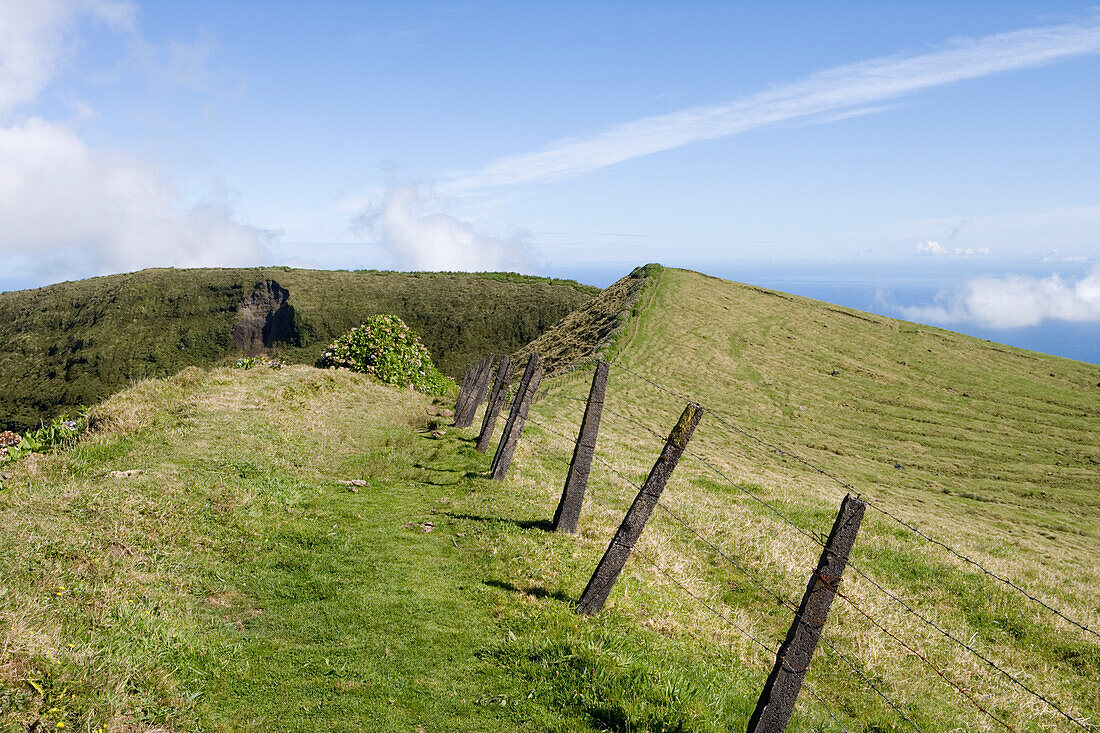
(76, 342)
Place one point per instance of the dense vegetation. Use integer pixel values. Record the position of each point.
(74, 343)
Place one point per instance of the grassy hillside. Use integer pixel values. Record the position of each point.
(74, 343)
(992, 449)
(236, 585)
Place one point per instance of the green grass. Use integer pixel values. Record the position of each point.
(75, 343)
(236, 585)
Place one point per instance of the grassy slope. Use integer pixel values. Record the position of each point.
(1000, 450)
(236, 585)
(74, 343)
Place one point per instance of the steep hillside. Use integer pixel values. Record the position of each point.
(593, 329)
(76, 342)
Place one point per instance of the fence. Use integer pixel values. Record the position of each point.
(793, 656)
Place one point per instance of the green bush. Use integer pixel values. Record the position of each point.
(386, 348)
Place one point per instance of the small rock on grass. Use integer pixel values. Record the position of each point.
(437, 434)
(127, 474)
(422, 527)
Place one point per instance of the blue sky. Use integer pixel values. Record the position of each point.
(565, 138)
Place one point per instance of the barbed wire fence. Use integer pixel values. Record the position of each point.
(553, 389)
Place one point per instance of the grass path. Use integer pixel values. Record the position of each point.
(234, 584)
(364, 621)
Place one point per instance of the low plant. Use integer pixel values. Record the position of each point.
(385, 347)
(249, 362)
(57, 432)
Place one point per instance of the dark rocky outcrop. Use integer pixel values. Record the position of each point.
(266, 319)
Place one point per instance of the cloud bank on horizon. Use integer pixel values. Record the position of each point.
(1015, 301)
(422, 240)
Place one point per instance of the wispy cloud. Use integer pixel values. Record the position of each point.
(36, 36)
(1016, 301)
(826, 94)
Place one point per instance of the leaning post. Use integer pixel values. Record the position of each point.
(622, 544)
(477, 392)
(496, 401)
(532, 375)
(464, 391)
(792, 661)
(568, 512)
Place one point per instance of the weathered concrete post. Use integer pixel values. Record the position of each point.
(464, 391)
(622, 544)
(532, 375)
(477, 394)
(773, 710)
(496, 401)
(572, 496)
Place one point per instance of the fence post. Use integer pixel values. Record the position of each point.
(496, 401)
(477, 394)
(532, 375)
(464, 392)
(568, 512)
(607, 572)
(776, 703)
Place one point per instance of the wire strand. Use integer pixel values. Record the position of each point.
(749, 575)
(855, 568)
(874, 505)
(745, 633)
(912, 650)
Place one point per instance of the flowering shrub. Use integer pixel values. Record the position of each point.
(385, 347)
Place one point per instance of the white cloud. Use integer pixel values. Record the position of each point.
(1016, 301)
(935, 249)
(68, 210)
(825, 93)
(35, 35)
(74, 211)
(421, 240)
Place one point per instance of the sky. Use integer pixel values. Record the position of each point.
(578, 139)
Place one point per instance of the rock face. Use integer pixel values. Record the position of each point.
(266, 319)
